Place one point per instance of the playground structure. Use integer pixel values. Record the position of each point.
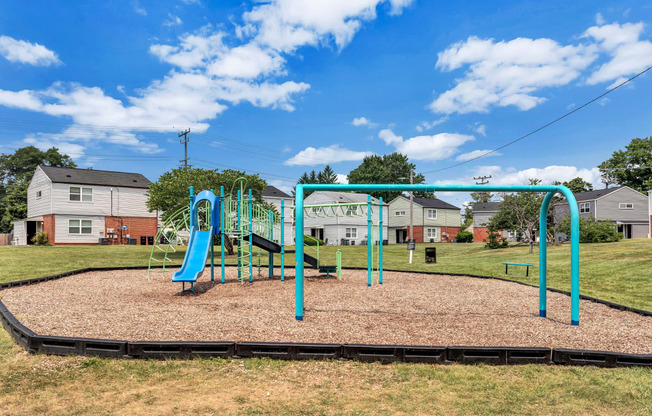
(550, 191)
(251, 225)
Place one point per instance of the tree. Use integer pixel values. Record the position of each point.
(630, 167)
(576, 185)
(392, 168)
(520, 212)
(16, 171)
(592, 230)
(326, 176)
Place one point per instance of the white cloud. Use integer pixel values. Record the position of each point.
(599, 20)
(342, 178)
(139, 9)
(548, 175)
(474, 154)
(26, 52)
(362, 121)
(480, 129)
(173, 20)
(435, 147)
(428, 125)
(507, 73)
(322, 155)
(629, 54)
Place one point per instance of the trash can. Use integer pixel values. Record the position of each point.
(150, 240)
(431, 254)
(143, 240)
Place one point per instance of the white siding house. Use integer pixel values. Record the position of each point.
(274, 196)
(81, 206)
(350, 228)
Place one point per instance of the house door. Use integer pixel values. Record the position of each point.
(625, 230)
(317, 233)
(33, 227)
(401, 236)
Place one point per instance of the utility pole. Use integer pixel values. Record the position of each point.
(184, 142)
(482, 180)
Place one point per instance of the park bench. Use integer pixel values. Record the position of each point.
(527, 265)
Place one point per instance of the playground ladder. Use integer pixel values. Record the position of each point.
(170, 231)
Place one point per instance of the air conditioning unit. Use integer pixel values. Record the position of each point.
(110, 231)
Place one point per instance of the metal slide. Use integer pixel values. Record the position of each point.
(195, 259)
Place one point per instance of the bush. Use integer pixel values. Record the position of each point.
(495, 241)
(311, 241)
(464, 237)
(592, 230)
(41, 239)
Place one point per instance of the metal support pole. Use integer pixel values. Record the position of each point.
(380, 242)
(369, 242)
(222, 234)
(212, 241)
(298, 281)
(543, 259)
(239, 231)
(251, 238)
(282, 240)
(270, 218)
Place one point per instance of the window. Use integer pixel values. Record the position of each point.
(351, 211)
(80, 227)
(351, 233)
(399, 214)
(585, 207)
(625, 205)
(78, 193)
(432, 214)
(39, 194)
(431, 232)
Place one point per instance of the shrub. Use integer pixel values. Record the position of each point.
(592, 230)
(311, 241)
(495, 241)
(41, 239)
(464, 237)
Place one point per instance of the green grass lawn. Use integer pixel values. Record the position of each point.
(618, 272)
(621, 272)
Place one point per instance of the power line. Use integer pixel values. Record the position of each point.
(545, 125)
(185, 146)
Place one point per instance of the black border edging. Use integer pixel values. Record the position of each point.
(108, 348)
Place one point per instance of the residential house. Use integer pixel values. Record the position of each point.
(349, 226)
(626, 208)
(482, 213)
(649, 198)
(274, 196)
(434, 220)
(82, 206)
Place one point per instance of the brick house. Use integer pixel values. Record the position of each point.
(434, 220)
(82, 206)
(482, 213)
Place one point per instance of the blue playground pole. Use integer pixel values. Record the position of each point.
(251, 239)
(282, 240)
(239, 262)
(572, 202)
(298, 241)
(369, 242)
(223, 234)
(270, 216)
(543, 259)
(212, 244)
(380, 242)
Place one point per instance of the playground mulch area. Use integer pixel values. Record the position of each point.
(408, 309)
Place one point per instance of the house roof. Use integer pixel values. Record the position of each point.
(486, 207)
(272, 191)
(346, 197)
(590, 195)
(95, 177)
(433, 203)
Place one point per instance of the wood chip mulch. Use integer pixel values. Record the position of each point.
(408, 309)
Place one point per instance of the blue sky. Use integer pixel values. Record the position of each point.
(287, 86)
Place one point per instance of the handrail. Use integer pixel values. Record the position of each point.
(315, 247)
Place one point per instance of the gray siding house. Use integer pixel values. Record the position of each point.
(626, 208)
(434, 220)
(274, 196)
(350, 228)
(80, 206)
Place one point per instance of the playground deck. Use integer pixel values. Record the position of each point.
(413, 309)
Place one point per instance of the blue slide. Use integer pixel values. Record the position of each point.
(193, 263)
